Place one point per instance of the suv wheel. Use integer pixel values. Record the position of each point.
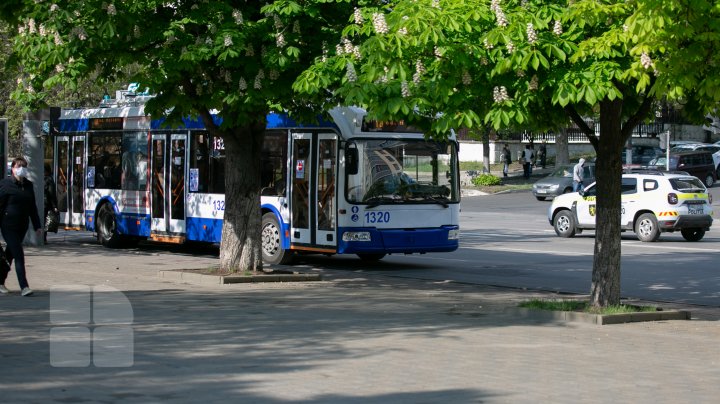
(693, 234)
(564, 224)
(646, 228)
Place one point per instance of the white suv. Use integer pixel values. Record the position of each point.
(651, 203)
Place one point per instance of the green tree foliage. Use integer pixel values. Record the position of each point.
(532, 64)
(239, 58)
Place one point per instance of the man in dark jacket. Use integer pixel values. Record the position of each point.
(17, 209)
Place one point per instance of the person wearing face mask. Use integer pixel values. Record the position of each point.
(17, 209)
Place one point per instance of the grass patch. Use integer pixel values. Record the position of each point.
(583, 306)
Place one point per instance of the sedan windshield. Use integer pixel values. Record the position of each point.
(394, 171)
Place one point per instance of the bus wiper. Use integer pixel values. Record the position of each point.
(442, 202)
(376, 201)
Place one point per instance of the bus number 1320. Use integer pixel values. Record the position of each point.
(377, 217)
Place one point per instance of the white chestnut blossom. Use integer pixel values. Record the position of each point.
(645, 61)
(510, 46)
(487, 44)
(59, 68)
(258, 80)
(250, 51)
(405, 89)
(351, 74)
(403, 31)
(42, 31)
(494, 5)
(111, 9)
(280, 40)
(31, 26)
(437, 52)
(274, 74)
(520, 73)
(533, 85)
(357, 15)
(54, 8)
(58, 40)
(356, 52)
(531, 34)
(379, 23)
(242, 84)
(278, 23)
(435, 3)
(296, 27)
(557, 28)
(484, 61)
(419, 71)
(466, 78)
(347, 45)
(136, 31)
(500, 94)
(237, 16)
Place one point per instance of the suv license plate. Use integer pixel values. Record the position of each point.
(695, 210)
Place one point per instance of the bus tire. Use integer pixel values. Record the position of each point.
(371, 257)
(106, 227)
(273, 252)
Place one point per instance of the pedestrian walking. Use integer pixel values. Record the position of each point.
(50, 199)
(17, 209)
(527, 160)
(507, 160)
(579, 175)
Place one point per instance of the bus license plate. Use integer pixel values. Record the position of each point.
(692, 210)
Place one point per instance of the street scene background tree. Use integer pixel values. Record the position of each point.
(450, 64)
(238, 58)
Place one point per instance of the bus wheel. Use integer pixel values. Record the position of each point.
(106, 227)
(371, 257)
(272, 250)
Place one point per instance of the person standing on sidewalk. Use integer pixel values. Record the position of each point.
(17, 208)
(527, 160)
(579, 175)
(507, 160)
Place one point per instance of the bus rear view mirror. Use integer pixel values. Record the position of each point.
(351, 159)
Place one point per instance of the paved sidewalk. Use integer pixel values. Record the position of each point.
(355, 337)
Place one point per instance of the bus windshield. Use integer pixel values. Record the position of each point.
(392, 171)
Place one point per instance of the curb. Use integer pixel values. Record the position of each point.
(208, 279)
(598, 319)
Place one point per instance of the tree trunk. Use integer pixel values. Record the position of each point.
(562, 154)
(608, 170)
(240, 248)
(486, 150)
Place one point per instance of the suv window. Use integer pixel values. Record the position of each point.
(687, 184)
(629, 186)
(650, 185)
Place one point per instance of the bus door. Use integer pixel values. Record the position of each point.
(167, 196)
(313, 195)
(69, 174)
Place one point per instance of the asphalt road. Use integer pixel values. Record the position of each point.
(506, 240)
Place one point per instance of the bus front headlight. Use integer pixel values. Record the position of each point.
(356, 236)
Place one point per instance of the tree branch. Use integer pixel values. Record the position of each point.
(640, 114)
(589, 132)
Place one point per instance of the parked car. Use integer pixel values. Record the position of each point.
(560, 181)
(652, 203)
(712, 148)
(697, 163)
(641, 155)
